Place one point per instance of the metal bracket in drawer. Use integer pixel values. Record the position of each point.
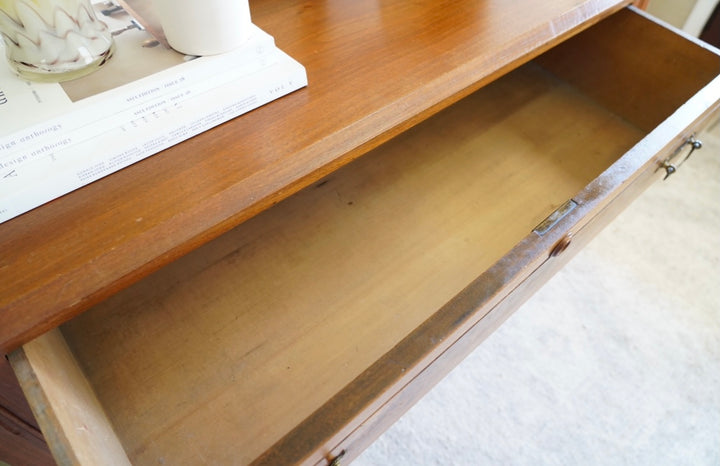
(552, 220)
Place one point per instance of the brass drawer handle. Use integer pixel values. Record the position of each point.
(670, 167)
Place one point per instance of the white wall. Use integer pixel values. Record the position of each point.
(674, 12)
(689, 15)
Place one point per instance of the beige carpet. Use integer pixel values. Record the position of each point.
(615, 362)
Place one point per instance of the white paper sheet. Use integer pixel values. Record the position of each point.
(54, 139)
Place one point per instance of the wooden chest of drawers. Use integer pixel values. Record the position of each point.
(261, 293)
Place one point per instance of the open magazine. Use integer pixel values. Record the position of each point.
(57, 137)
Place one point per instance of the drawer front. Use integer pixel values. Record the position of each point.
(305, 332)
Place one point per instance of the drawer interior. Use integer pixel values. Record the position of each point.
(220, 354)
(250, 334)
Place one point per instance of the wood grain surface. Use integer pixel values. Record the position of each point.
(65, 405)
(220, 354)
(375, 69)
(301, 331)
(21, 442)
(646, 81)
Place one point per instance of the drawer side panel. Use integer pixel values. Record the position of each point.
(74, 423)
(635, 66)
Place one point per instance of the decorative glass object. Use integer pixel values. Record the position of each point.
(53, 40)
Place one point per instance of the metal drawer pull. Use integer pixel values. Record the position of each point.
(336, 460)
(670, 167)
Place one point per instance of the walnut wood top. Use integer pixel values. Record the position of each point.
(374, 68)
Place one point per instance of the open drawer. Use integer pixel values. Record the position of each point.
(303, 333)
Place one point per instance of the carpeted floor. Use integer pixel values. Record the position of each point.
(615, 362)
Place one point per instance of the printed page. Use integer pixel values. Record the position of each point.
(57, 137)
